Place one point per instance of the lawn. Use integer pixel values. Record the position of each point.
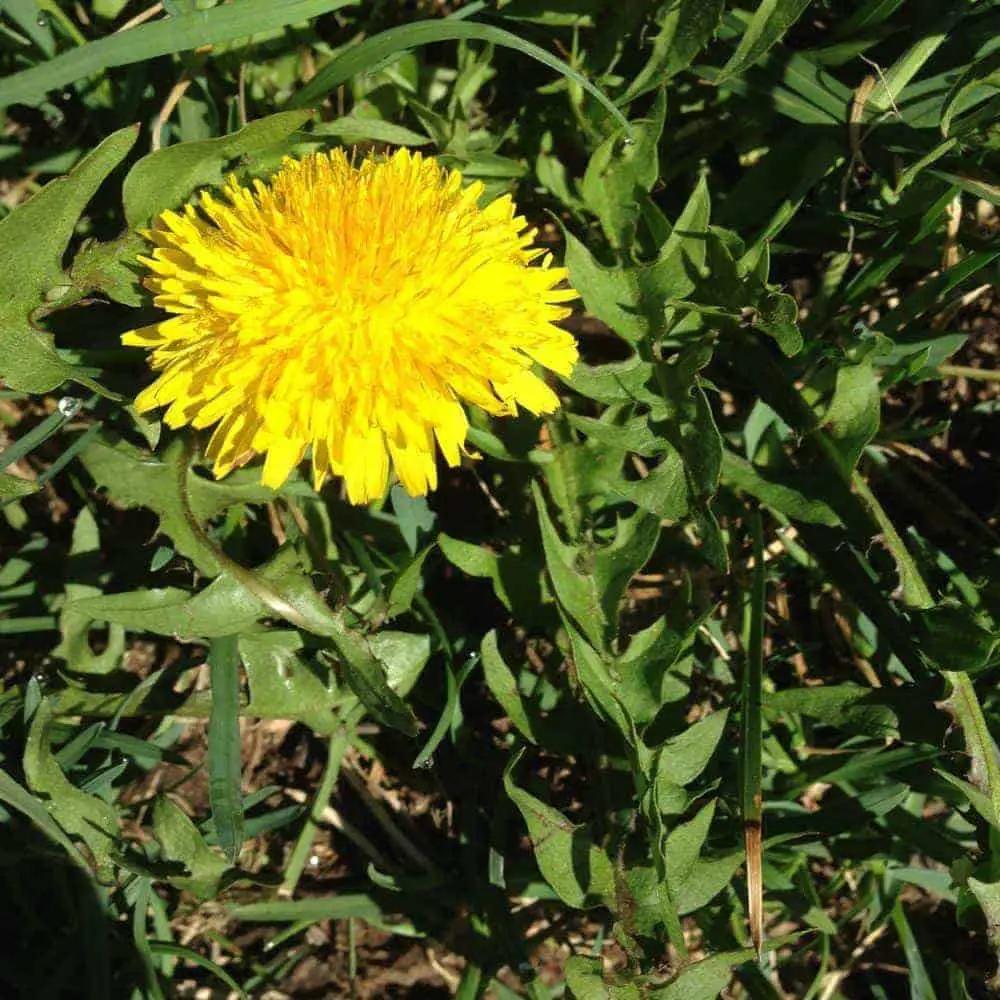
(499, 499)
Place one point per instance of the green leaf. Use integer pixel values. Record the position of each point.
(82, 816)
(503, 685)
(111, 268)
(330, 907)
(653, 671)
(75, 627)
(632, 299)
(978, 187)
(235, 601)
(14, 487)
(846, 706)
(684, 845)
(740, 474)
(920, 984)
(988, 896)
(173, 950)
(978, 799)
(591, 580)
(616, 382)
(641, 435)
(135, 479)
(806, 94)
(769, 23)
(179, 33)
(705, 881)
(854, 414)
(477, 561)
(181, 842)
(27, 16)
(894, 79)
(165, 178)
(622, 171)
(33, 240)
(585, 980)
(980, 76)
(932, 293)
(777, 316)
(407, 584)
(685, 29)
(375, 50)
(368, 678)
(681, 759)
(954, 637)
(664, 492)
(964, 706)
(595, 672)
(225, 769)
(227, 606)
(285, 683)
(704, 980)
(413, 516)
(351, 129)
(579, 871)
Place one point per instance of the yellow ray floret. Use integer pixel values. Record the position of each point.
(350, 309)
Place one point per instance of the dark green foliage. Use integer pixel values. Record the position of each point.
(747, 572)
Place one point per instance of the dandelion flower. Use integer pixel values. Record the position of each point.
(351, 309)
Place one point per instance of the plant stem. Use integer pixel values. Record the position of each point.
(967, 371)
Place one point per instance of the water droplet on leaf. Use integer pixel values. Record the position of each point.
(69, 406)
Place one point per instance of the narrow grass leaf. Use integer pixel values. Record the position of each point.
(224, 763)
(920, 984)
(163, 37)
(331, 907)
(395, 41)
(28, 17)
(179, 951)
(769, 23)
(751, 735)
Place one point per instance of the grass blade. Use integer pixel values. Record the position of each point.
(188, 955)
(751, 736)
(336, 907)
(769, 23)
(224, 764)
(148, 41)
(38, 435)
(336, 749)
(408, 36)
(921, 987)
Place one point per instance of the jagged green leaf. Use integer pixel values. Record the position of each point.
(165, 178)
(84, 817)
(579, 871)
(33, 240)
(181, 842)
(133, 478)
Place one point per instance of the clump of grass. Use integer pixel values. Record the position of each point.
(685, 687)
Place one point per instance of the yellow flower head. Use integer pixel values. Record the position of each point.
(350, 308)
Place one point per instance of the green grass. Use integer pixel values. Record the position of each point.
(511, 739)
